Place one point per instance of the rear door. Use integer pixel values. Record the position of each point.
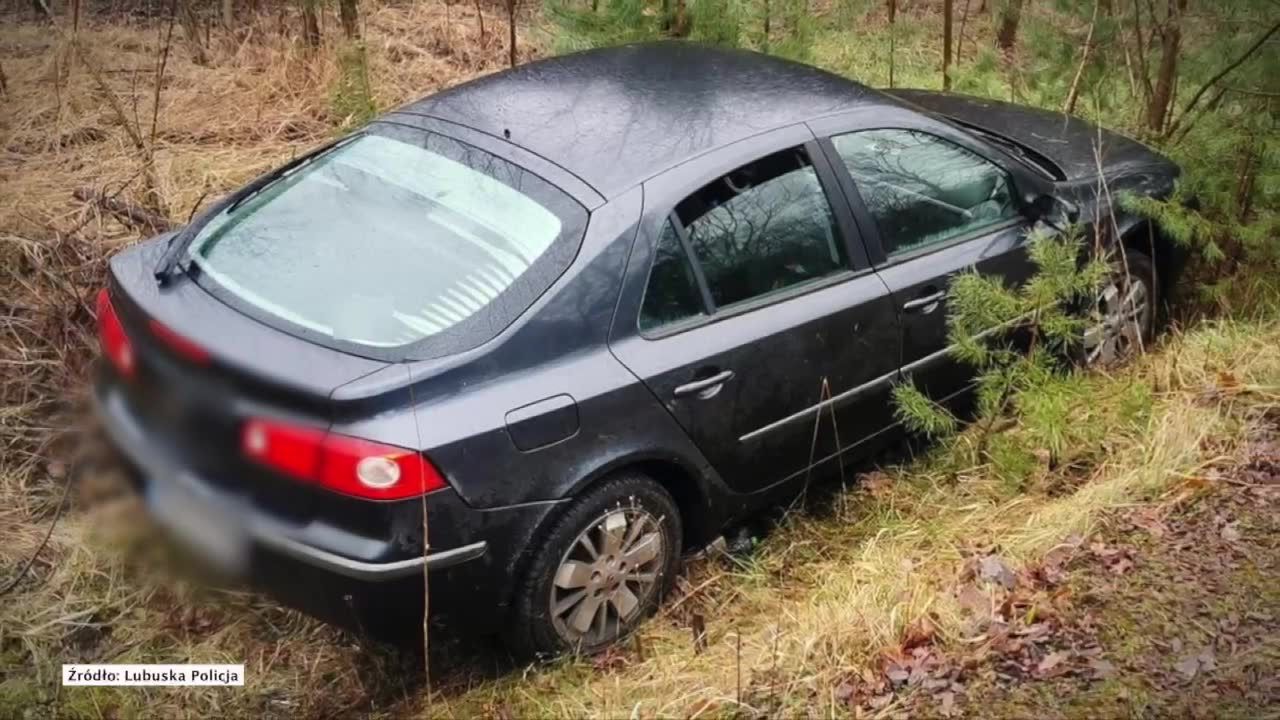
(933, 206)
(749, 310)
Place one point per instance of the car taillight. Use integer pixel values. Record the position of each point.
(115, 344)
(180, 344)
(340, 463)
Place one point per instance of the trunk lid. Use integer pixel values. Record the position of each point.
(195, 409)
(1065, 140)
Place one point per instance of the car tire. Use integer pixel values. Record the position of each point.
(604, 565)
(1122, 322)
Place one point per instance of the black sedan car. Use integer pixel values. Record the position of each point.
(580, 315)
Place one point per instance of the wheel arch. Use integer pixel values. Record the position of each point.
(1167, 256)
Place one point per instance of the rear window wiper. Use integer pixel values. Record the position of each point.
(179, 242)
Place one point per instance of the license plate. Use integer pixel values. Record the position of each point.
(205, 524)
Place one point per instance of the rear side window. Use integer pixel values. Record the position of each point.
(758, 230)
(762, 228)
(923, 190)
(393, 238)
(672, 293)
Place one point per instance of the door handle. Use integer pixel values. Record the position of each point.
(700, 386)
(926, 303)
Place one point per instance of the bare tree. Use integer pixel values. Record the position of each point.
(947, 12)
(511, 31)
(191, 29)
(480, 19)
(893, 15)
(1170, 32)
(310, 23)
(350, 17)
(228, 13)
(964, 18)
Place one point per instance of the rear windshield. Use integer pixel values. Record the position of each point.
(393, 238)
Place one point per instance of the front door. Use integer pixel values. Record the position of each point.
(938, 209)
(751, 304)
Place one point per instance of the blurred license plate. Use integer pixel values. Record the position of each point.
(206, 524)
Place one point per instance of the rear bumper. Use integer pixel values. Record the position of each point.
(326, 570)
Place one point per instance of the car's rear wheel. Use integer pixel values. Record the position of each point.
(1122, 322)
(603, 568)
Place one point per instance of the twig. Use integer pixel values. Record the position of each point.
(133, 215)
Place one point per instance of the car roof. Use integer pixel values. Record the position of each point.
(618, 116)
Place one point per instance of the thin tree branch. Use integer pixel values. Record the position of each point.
(1069, 106)
(1221, 74)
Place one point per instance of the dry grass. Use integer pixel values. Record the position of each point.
(81, 112)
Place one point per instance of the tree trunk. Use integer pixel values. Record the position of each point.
(310, 24)
(480, 19)
(191, 28)
(893, 16)
(1073, 94)
(680, 25)
(228, 13)
(511, 31)
(1007, 35)
(1167, 74)
(947, 7)
(768, 25)
(350, 16)
(964, 18)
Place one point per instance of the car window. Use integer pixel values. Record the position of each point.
(762, 228)
(921, 189)
(392, 238)
(672, 292)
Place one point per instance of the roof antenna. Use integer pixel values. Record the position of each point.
(506, 133)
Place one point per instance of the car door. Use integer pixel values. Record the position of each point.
(749, 310)
(933, 205)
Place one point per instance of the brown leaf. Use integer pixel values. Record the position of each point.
(992, 569)
(1102, 669)
(879, 701)
(1231, 532)
(1188, 666)
(1207, 660)
(918, 633)
(1227, 381)
(877, 483)
(844, 691)
(947, 704)
(1050, 662)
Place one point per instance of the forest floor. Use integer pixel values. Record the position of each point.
(1140, 579)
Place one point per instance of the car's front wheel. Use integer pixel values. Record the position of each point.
(1122, 323)
(603, 567)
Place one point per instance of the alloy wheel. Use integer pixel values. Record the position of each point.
(1123, 317)
(607, 576)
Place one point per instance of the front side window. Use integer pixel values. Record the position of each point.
(923, 190)
(762, 228)
(392, 238)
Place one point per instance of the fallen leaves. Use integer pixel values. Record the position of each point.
(1192, 665)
